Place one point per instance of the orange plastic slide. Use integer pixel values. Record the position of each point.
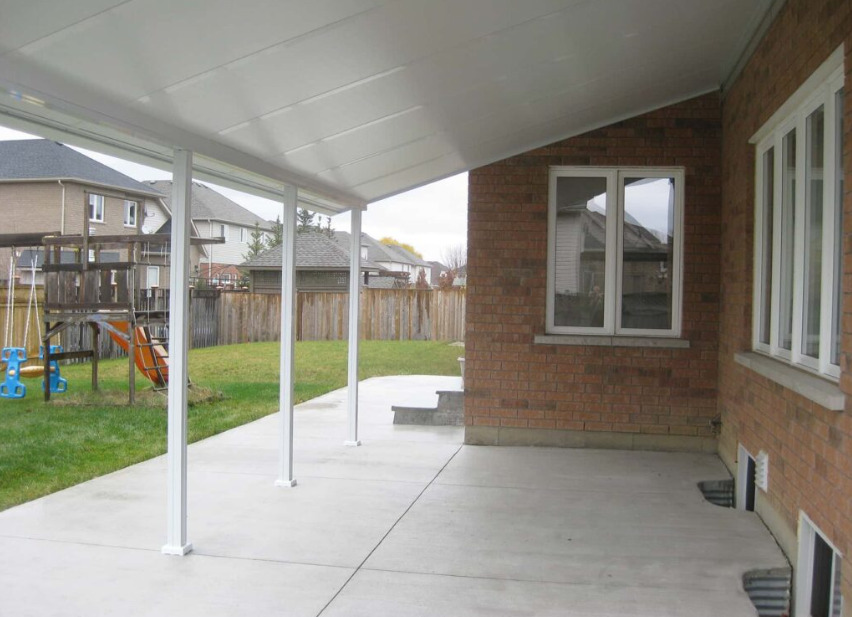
(151, 360)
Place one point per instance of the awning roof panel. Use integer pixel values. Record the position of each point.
(359, 99)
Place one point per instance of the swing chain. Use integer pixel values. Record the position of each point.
(10, 300)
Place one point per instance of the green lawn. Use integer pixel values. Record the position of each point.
(80, 435)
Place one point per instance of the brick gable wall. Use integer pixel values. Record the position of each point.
(521, 392)
(809, 447)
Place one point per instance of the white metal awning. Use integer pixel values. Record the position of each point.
(352, 100)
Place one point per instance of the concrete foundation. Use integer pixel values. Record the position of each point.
(511, 436)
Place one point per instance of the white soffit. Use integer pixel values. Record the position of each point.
(355, 100)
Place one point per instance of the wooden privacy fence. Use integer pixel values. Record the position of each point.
(386, 314)
(218, 318)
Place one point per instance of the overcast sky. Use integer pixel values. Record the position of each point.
(432, 218)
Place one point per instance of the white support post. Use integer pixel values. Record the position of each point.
(354, 312)
(288, 336)
(176, 542)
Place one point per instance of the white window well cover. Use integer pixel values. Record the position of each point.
(761, 471)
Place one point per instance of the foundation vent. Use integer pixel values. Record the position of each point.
(761, 471)
(718, 492)
(769, 591)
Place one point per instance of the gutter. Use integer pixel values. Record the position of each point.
(62, 210)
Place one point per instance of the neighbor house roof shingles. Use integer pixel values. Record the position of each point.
(314, 251)
(42, 159)
(208, 204)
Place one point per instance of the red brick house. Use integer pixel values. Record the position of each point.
(751, 359)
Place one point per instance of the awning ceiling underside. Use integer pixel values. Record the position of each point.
(355, 100)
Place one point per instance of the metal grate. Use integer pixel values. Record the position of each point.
(718, 492)
(769, 591)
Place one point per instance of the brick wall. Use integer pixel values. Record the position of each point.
(26, 208)
(808, 446)
(521, 392)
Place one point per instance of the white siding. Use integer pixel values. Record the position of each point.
(232, 251)
(153, 216)
(567, 266)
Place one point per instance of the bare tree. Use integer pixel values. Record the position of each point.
(455, 257)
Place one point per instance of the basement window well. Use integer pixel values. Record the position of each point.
(818, 573)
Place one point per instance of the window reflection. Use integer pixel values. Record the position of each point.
(580, 268)
(648, 253)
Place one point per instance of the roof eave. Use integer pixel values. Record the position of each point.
(76, 180)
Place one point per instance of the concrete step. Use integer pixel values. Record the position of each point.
(449, 412)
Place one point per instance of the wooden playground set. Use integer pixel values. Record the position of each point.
(91, 281)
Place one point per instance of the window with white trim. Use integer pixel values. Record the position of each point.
(243, 235)
(798, 232)
(615, 251)
(818, 573)
(96, 208)
(153, 276)
(130, 209)
(223, 231)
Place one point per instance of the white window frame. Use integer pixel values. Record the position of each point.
(808, 99)
(808, 531)
(615, 249)
(243, 235)
(97, 202)
(743, 457)
(223, 230)
(149, 279)
(131, 207)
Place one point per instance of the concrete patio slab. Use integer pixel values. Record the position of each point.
(410, 523)
(47, 579)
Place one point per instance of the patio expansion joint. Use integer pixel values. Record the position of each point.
(505, 579)
(690, 490)
(80, 543)
(387, 533)
(313, 477)
(197, 553)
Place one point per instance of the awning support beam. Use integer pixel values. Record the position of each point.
(176, 541)
(288, 336)
(354, 319)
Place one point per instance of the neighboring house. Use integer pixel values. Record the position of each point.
(216, 216)
(401, 265)
(437, 269)
(321, 265)
(415, 264)
(157, 257)
(48, 187)
(460, 279)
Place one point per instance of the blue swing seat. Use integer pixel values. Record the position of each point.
(12, 387)
(57, 382)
